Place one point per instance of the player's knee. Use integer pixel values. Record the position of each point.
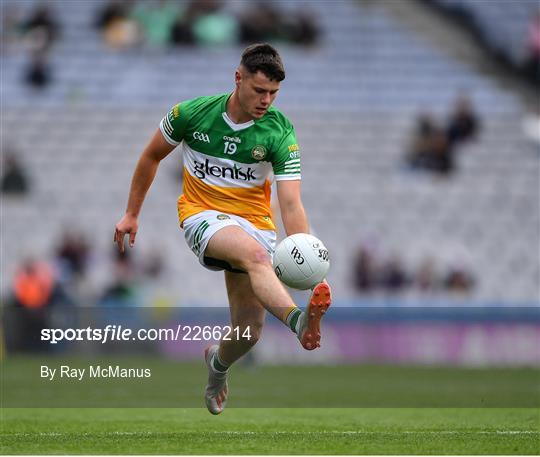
(257, 257)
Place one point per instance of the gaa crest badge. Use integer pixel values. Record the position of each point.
(258, 152)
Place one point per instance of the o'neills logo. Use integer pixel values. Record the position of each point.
(234, 172)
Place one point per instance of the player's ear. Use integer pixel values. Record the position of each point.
(237, 77)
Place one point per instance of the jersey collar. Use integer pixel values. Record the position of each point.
(233, 125)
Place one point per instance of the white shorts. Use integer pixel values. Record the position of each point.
(199, 228)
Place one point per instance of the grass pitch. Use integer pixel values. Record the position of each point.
(271, 431)
(397, 410)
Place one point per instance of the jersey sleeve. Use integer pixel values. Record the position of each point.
(286, 163)
(173, 125)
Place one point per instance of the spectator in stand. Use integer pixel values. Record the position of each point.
(464, 122)
(112, 11)
(41, 29)
(156, 19)
(430, 148)
(216, 29)
(32, 291)
(532, 62)
(33, 286)
(459, 280)
(393, 277)
(441, 157)
(72, 253)
(38, 72)
(182, 30)
(14, 178)
(261, 22)
(119, 29)
(153, 265)
(206, 23)
(364, 270)
(420, 143)
(301, 27)
(121, 290)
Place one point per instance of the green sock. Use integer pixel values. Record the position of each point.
(218, 364)
(293, 319)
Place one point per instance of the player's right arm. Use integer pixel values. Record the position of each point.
(144, 174)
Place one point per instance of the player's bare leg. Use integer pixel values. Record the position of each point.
(247, 314)
(236, 247)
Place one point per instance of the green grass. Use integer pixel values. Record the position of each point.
(270, 431)
(179, 385)
(272, 410)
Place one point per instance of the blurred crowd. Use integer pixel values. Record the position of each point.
(164, 23)
(64, 278)
(156, 24)
(434, 145)
(36, 33)
(375, 272)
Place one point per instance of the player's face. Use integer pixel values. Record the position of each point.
(256, 92)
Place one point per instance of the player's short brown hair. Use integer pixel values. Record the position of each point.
(264, 58)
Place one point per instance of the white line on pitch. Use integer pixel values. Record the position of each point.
(325, 432)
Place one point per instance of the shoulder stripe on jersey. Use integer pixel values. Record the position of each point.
(168, 125)
(167, 137)
(288, 177)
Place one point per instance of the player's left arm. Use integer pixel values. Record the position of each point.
(292, 210)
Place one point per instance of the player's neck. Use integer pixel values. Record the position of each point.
(235, 111)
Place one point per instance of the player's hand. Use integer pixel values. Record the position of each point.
(128, 225)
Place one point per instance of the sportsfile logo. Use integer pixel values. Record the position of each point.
(201, 137)
(202, 169)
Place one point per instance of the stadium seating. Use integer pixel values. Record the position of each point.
(502, 25)
(353, 101)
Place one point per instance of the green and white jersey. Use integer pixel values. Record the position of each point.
(228, 167)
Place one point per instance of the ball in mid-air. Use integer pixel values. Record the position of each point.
(301, 261)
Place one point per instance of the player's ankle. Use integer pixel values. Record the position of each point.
(218, 365)
(294, 319)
